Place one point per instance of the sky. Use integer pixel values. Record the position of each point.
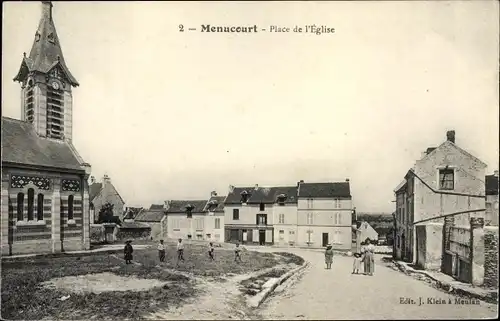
(176, 115)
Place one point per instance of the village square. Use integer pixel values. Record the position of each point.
(74, 246)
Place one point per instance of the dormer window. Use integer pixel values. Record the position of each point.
(281, 199)
(189, 210)
(244, 196)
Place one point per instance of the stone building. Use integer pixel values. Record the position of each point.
(446, 180)
(45, 201)
(155, 217)
(324, 214)
(102, 193)
(308, 214)
(186, 219)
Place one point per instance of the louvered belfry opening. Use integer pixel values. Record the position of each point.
(55, 113)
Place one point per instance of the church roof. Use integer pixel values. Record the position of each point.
(21, 145)
(46, 52)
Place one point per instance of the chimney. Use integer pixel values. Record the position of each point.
(92, 179)
(299, 182)
(256, 186)
(347, 180)
(231, 188)
(213, 193)
(450, 136)
(47, 9)
(495, 173)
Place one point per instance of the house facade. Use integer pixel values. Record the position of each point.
(308, 214)
(256, 214)
(367, 232)
(186, 219)
(45, 195)
(446, 180)
(102, 193)
(324, 215)
(492, 199)
(155, 217)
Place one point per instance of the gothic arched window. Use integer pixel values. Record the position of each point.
(39, 209)
(20, 206)
(70, 207)
(31, 201)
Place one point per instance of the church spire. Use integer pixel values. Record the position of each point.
(46, 52)
(46, 83)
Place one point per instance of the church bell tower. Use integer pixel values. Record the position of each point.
(46, 83)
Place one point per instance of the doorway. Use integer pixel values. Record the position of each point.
(325, 239)
(262, 237)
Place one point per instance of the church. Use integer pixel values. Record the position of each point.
(45, 193)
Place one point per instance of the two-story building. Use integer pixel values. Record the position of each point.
(324, 214)
(102, 193)
(261, 215)
(446, 180)
(492, 199)
(186, 219)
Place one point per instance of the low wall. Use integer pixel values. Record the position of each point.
(143, 233)
(491, 257)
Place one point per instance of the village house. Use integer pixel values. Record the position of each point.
(366, 231)
(155, 217)
(324, 214)
(45, 200)
(382, 223)
(256, 214)
(214, 218)
(446, 180)
(308, 214)
(492, 199)
(102, 193)
(186, 219)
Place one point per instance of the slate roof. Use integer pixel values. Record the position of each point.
(156, 207)
(179, 206)
(266, 195)
(94, 190)
(491, 185)
(22, 145)
(153, 216)
(326, 190)
(46, 52)
(219, 200)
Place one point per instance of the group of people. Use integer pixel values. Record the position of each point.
(364, 257)
(128, 250)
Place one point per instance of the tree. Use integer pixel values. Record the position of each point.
(106, 215)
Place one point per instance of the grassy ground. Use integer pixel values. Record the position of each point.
(23, 297)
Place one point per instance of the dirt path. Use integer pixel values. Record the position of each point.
(220, 298)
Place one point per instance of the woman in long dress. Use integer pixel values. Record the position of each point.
(369, 260)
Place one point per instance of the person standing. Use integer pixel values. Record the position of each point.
(161, 251)
(370, 259)
(128, 250)
(211, 251)
(356, 264)
(180, 251)
(237, 250)
(329, 256)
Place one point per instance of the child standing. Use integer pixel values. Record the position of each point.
(127, 251)
(211, 251)
(356, 264)
(237, 250)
